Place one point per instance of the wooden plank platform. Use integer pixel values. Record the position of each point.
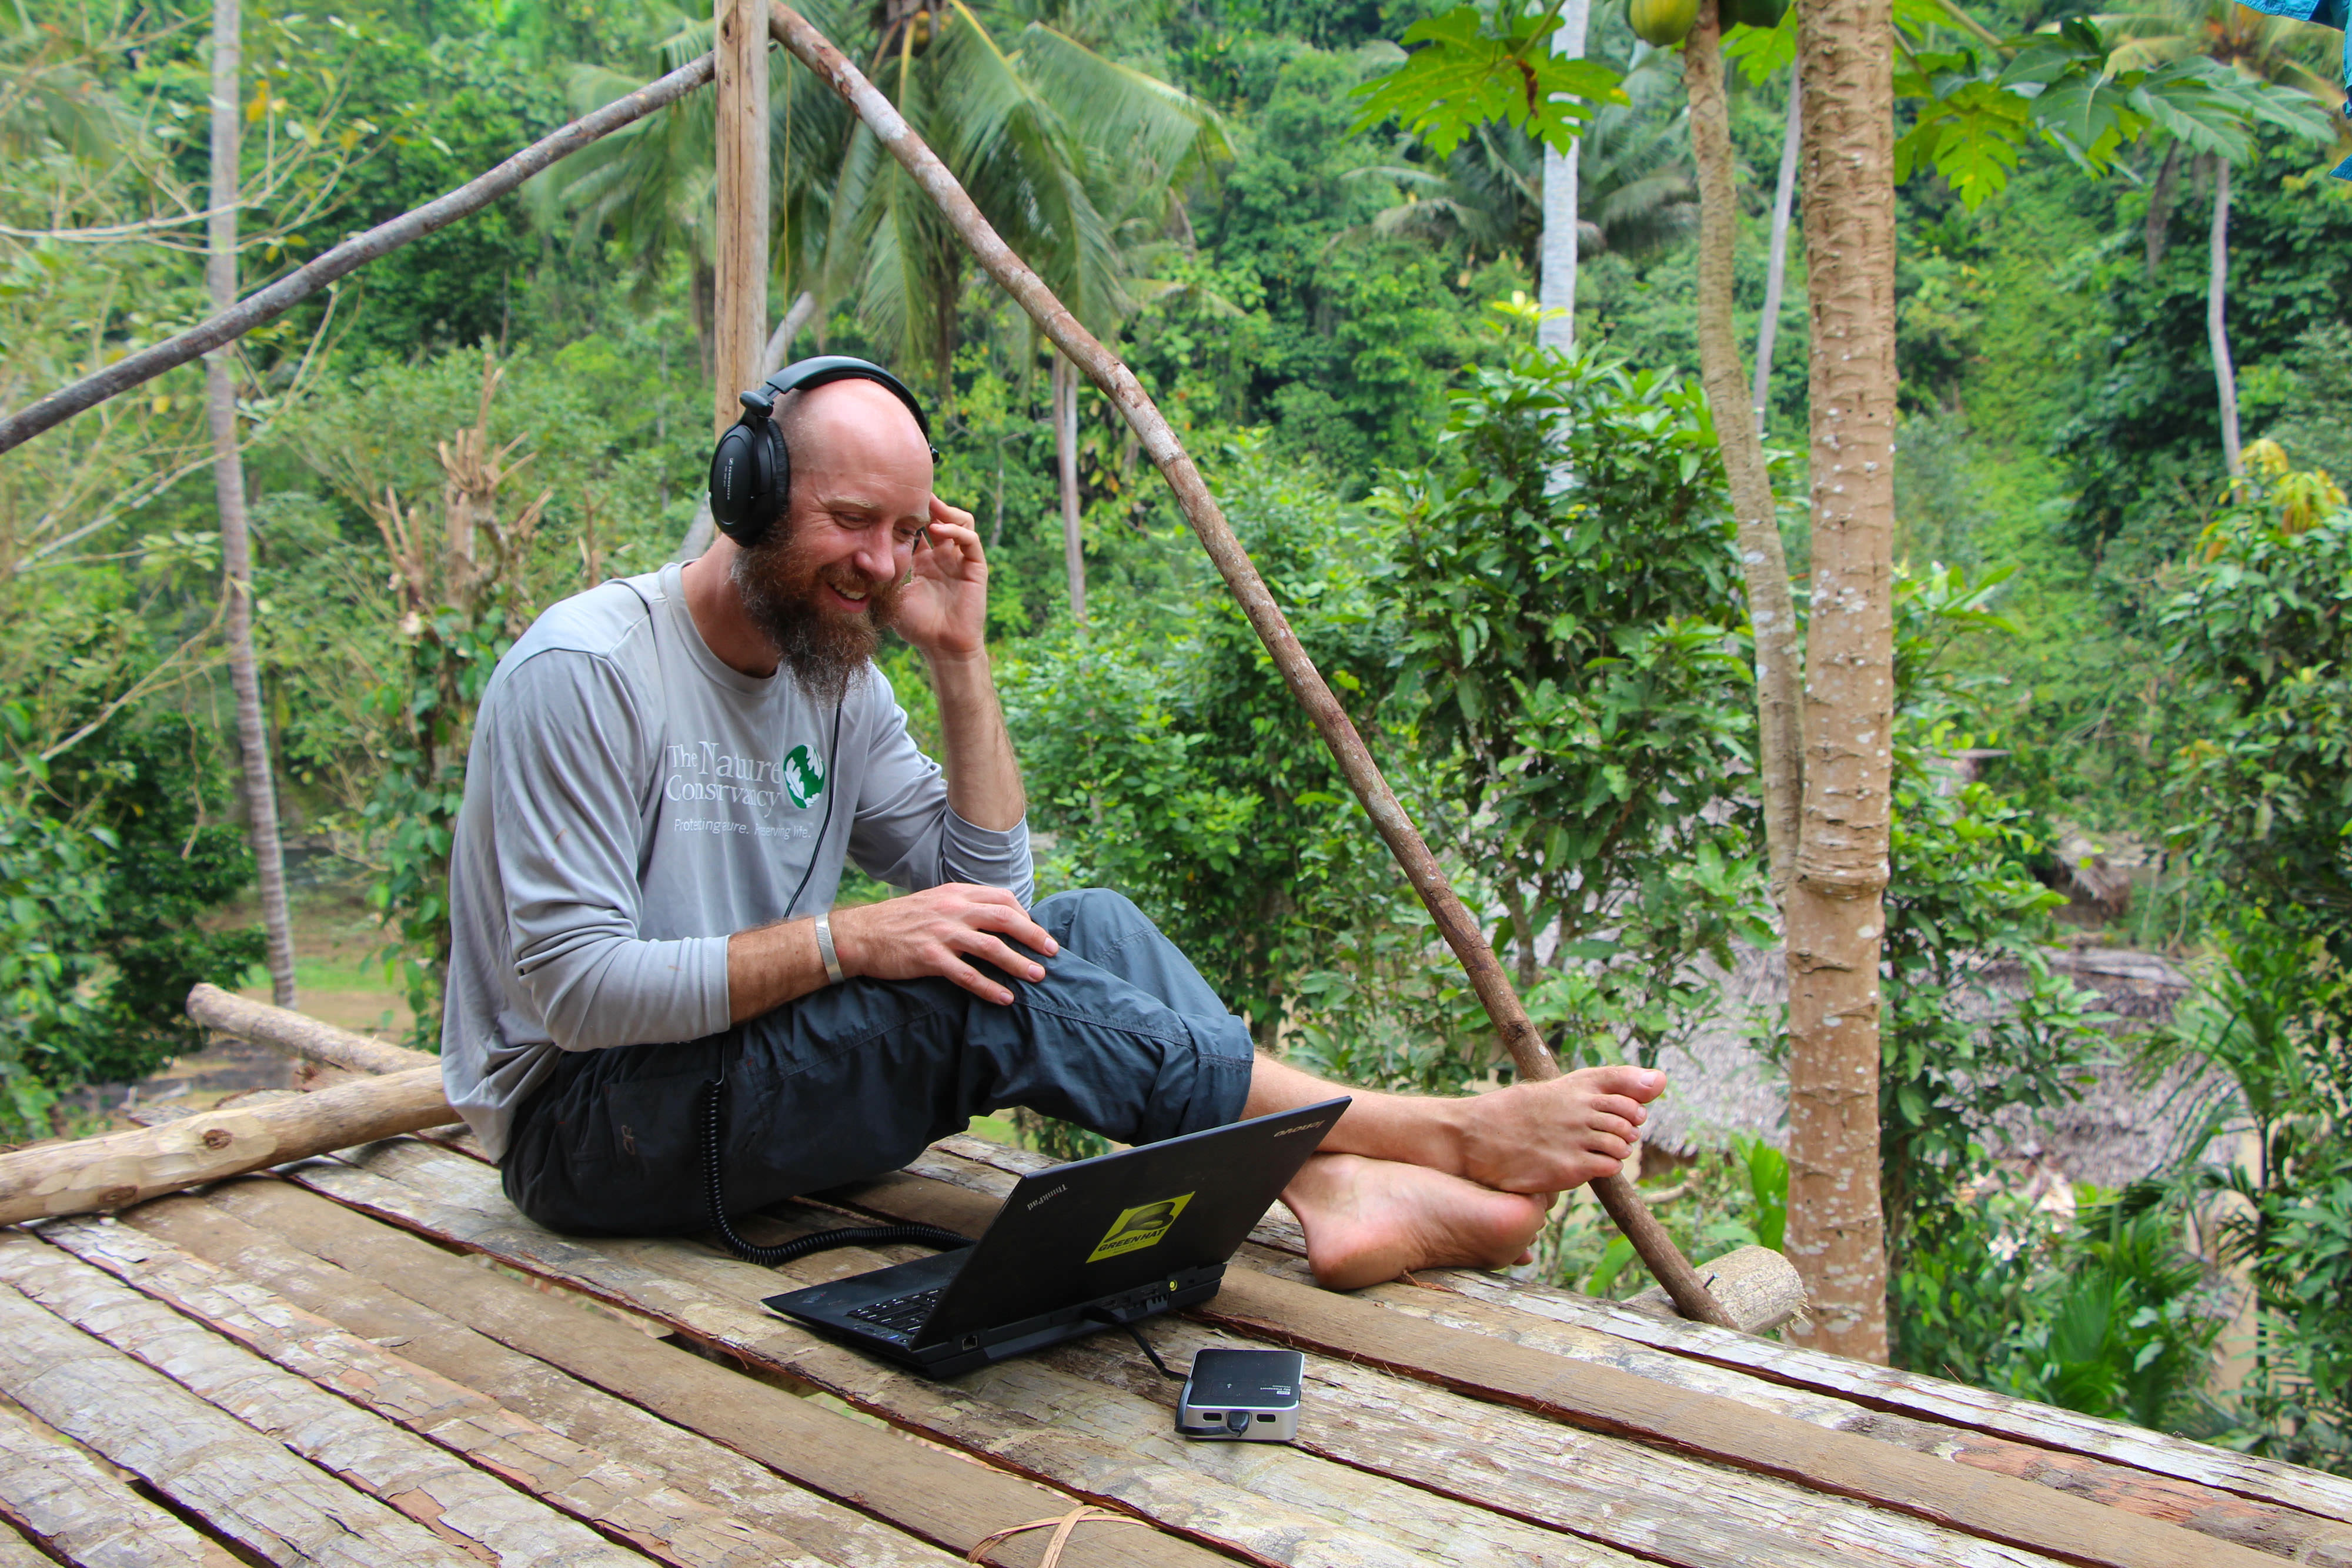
(372, 1358)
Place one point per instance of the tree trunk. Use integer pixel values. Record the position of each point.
(2217, 327)
(739, 326)
(1779, 660)
(228, 488)
(1556, 284)
(1065, 462)
(2159, 207)
(1836, 1233)
(1776, 271)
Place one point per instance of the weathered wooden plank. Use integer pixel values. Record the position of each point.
(938, 1496)
(720, 1480)
(1246, 1523)
(2028, 1439)
(1132, 1451)
(248, 1489)
(470, 1510)
(1998, 1507)
(2228, 1516)
(15, 1551)
(1929, 1398)
(616, 1498)
(52, 1492)
(1483, 1458)
(1699, 1515)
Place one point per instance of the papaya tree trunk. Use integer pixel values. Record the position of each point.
(1776, 270)
(228, 490)
(1779, 659)
(1836, 1234)
(1556, 284)
(2217, 325)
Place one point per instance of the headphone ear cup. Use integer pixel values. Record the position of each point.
(747, 479)
(779, 475)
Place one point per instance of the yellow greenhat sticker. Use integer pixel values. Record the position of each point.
(1136, 1229)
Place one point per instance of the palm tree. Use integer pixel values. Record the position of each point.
(1068, 152)
(2266, 48)
(1635, 194)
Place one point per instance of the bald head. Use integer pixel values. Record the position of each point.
(852, 424)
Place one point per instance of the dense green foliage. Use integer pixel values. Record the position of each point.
(1515, 569)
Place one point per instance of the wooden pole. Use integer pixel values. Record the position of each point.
(740, 332)
(123, 1168)
(298, 1034)
(1462, 932)
(268, 304)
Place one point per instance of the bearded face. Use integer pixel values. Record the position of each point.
(783, 584)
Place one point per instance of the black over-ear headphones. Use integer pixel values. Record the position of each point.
(750, 472)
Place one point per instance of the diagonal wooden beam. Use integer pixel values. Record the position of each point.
(268, 304)
(1462, 932)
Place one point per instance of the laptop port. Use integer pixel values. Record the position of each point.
(972, 1341)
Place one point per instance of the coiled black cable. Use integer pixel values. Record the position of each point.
(800, 1247)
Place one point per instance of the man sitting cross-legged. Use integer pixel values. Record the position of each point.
(668, 775)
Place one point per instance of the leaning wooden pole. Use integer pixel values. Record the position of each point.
(1462, 932)
(268, 304)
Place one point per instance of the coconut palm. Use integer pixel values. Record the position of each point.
(1068, 152)
(1634, 196)
(2265, 49)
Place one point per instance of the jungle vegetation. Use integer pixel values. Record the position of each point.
(2123, 578)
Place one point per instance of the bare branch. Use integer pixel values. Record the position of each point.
(270, 303)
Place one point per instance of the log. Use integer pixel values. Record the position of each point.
(119, 1169)
(248, 1489)
(685, 1467)
(1758, 1287)
(298, 1034)
(1454, 922)
(268, 304)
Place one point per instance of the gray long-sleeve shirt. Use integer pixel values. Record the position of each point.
(630, 802)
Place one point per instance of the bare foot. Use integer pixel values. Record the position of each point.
(1372, 1220)
(1550, 1137)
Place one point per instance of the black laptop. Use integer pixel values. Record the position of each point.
(1107, 1240)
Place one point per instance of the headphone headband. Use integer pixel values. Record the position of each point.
(802, 375)
(751, 472)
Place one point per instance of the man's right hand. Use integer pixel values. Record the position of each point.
(935, 931)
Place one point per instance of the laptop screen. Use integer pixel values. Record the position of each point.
(1113, 1223)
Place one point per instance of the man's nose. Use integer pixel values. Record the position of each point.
(876, 555)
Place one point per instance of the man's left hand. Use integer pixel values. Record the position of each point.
(943, 608)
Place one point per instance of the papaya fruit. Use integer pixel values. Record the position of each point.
(1765, 14)
(1662, 24)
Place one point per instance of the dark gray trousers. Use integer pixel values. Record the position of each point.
(1122, 1036)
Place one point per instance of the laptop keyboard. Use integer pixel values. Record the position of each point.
(901, 1315)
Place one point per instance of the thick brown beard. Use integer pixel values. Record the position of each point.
(823, 648)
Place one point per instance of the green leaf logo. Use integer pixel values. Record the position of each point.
(803, 780)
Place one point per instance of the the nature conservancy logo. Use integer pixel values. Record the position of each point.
(804, 778)
(706, 770)
(1136, 1229)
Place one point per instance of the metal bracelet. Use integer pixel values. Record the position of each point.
(832, 971)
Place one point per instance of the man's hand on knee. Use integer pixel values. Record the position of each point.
(937, 932)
